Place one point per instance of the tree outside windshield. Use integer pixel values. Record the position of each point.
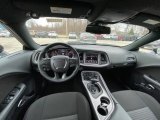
(72, 31)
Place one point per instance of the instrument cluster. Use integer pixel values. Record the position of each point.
(60, 51)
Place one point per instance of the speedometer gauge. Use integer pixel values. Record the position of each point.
(54, 53)
(70, 54)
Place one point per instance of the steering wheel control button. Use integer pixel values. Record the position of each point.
(45, 64)
(72, 62)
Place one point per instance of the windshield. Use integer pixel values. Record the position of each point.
(72, 31)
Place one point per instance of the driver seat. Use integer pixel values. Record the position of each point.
(60, 106)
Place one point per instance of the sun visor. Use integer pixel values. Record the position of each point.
(56, 8)
(113, 16)
(146, 20)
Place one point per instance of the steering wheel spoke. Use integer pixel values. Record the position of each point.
(73, 62)
(64, 75)
(56, 76)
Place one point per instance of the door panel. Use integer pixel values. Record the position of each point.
(146, 76)
(8, 82)
(10, 101)
(17, 86)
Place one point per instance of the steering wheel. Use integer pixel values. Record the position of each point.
(58, 65)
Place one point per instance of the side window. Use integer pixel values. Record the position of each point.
(8, 43)
(151, 48)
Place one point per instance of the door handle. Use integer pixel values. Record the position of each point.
(150, 87)
(151, 80)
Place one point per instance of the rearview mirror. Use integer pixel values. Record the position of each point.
(96, 29)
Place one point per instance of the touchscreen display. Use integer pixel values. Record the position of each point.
(91, 58)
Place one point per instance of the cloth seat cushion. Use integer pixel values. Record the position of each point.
(139, 105)
(60, 106)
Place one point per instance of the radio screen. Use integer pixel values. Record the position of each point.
(91, 58)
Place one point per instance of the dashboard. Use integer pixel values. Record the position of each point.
(87, 58)
(93, 55)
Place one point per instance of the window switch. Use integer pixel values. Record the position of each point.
(10, 97)
(14, 91)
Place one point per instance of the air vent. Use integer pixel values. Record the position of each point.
(36, 56)
(81, 56)
(103, 59)
(131, 59)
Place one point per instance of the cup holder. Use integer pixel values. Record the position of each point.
(105, 100)
(102, 108)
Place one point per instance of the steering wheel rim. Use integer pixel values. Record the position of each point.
(51, 63)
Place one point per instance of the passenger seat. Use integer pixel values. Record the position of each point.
(139, 105)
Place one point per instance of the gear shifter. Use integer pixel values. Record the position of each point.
(93, 81)
(94, 88)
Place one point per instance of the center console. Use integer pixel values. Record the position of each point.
(100, 97)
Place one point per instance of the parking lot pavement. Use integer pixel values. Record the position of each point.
(12, 45)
